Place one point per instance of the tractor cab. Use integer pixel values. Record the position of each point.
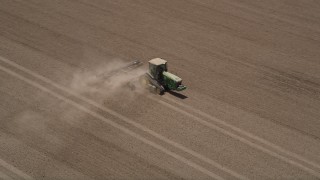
(159, 80)
(156, 68)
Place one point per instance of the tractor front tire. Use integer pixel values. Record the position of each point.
(160, 91)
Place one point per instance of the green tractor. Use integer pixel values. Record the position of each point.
(159, 80)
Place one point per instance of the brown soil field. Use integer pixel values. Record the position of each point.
(251, 109)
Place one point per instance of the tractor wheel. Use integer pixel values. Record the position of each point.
(159, 91)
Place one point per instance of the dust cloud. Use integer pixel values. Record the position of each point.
(105, 82)
(32, 123)
(108, 80)
(42, 124)
(29, 120)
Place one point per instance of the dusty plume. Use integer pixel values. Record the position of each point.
(108, 80)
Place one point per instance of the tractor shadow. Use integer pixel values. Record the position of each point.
(178, 95)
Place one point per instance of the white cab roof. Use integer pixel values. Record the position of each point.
(157, 61)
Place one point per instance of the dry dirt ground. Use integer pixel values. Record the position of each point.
(251, 110)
